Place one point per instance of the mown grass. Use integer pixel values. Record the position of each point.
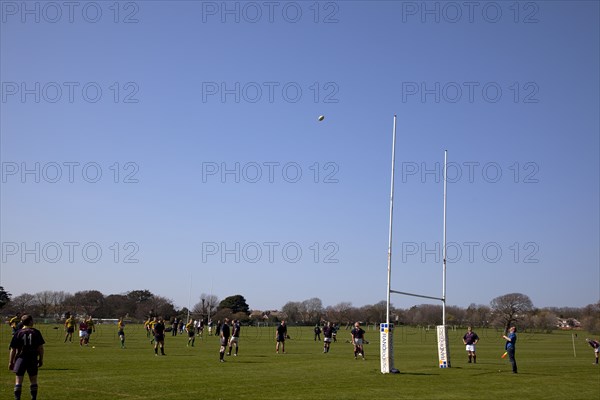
(547, 368)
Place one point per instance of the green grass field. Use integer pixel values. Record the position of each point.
(547, 368)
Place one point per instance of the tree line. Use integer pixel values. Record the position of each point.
(511, 308)
(503, 311)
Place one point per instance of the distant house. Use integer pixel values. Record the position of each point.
(256, 314)
(567, 323)
(265, 316)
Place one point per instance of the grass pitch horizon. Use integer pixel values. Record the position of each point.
(548, 368)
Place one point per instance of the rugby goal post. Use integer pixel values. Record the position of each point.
(386, 331)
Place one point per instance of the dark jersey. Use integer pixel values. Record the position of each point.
(236, 330)
(327, 331)
(282, 331)
(159, 329)
(26, 342)
(225, 330)
(470, 337)
(358, 333)
(594, 344)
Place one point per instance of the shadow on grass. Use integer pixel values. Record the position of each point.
(249, 362)
(59, 369)
(416, 374)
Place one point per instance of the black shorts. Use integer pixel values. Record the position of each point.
(121, 333)
(71, 329)
(281, 338)
(89, 331)
(159, 338)
(224, 341)
(191, 334)
(23, 365)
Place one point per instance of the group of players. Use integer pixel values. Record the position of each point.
(229, 336)
(87, 326)
(329, 335)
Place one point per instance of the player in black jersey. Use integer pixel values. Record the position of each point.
(26, 355)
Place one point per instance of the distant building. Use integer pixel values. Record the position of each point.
(567, 323)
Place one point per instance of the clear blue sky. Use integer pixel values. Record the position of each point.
(209, 114)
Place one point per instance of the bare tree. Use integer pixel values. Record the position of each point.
(207, 306)
(61, 302)
(591, 318)
(44, 301)
(156, 306)
(455, 315)
(425, 314)
(344, 312)
(477, 315)
(510, 308)
(542, 320)
(22, 303)
(292, 311)
(312, 310)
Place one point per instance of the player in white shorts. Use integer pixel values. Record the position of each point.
(470, 340)
(358, 336)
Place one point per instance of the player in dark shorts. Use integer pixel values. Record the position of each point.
(69, 328)
(91, 327)
(280, 335)
(327, 337)
(511, 341)
(159, 336)
(26, 355)
(121, 332)
(235, 337)
(317, 332)
(224, 337)
(174, 326)
(191, 331)
(358, 337)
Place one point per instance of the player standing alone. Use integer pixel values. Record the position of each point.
(470, 340)
(510, 347)
(280, 336)
(26, 355)
(358, 337)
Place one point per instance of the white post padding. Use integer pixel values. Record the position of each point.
(443, 349)
(386, 335)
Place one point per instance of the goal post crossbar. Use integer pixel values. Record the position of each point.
(417, 295)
